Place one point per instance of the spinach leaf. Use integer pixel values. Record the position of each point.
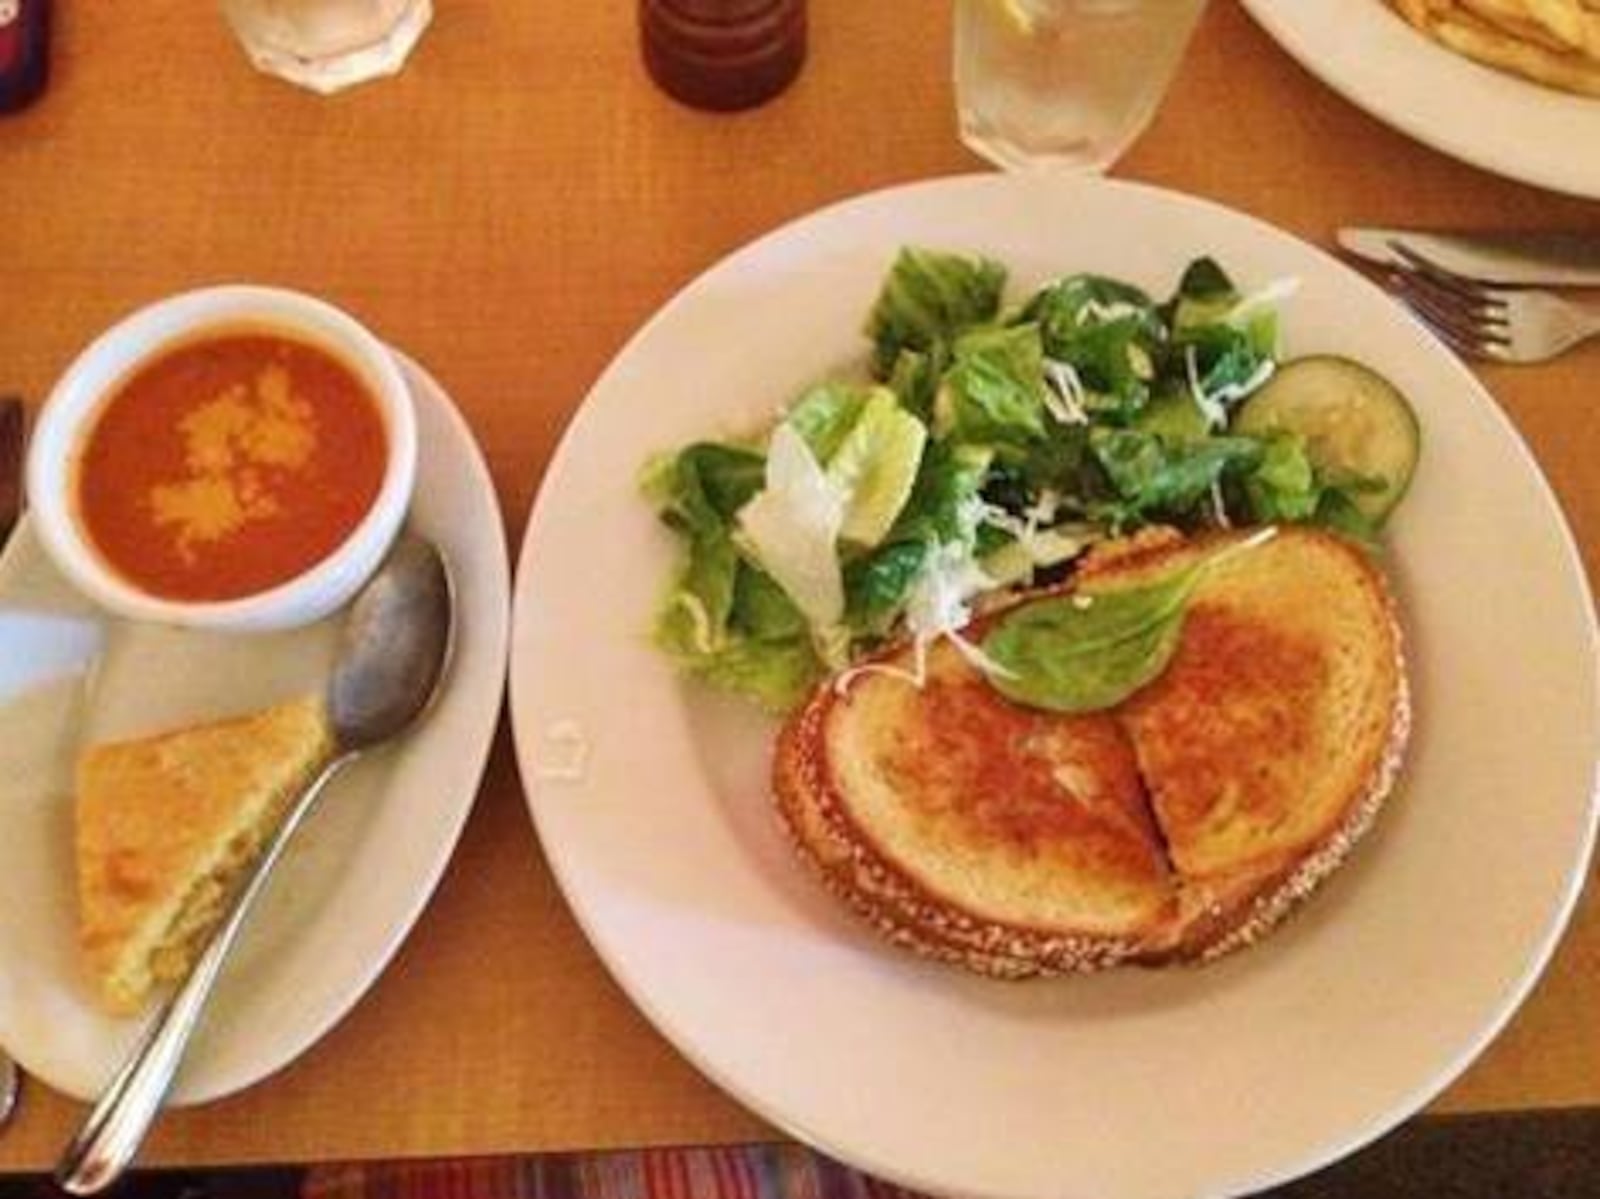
(1205, 295)
(928, 299)
(1084, 653)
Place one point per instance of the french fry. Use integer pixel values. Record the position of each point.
(1575, 25)
(1552, 42)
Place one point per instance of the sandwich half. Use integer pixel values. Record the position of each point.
(167, 824)
(1183, 823)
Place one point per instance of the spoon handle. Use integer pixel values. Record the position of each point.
(111, 1136)
(10, 1085)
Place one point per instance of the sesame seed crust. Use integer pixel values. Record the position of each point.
(893, 903)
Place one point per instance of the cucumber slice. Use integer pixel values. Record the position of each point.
(1355, 422)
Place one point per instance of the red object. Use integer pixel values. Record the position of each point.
(723, 54)
(24, 63)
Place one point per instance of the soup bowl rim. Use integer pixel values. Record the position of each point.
(67, 418)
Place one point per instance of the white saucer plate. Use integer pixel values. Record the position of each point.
(351, 886)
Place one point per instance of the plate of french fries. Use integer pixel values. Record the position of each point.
(1555, 43)
(1512, 86)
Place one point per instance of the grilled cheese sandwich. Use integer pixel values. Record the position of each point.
(1183, 823)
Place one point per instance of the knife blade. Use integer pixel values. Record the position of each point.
(1557, 259)
(11, 447)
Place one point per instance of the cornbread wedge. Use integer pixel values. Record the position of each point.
(1182, 824)
(165, 824)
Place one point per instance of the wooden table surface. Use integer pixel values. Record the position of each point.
(508, 210)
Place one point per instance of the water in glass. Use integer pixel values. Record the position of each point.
(1064, 83)
(328, 44)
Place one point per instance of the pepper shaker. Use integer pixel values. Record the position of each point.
(24, 63)
(723, 54)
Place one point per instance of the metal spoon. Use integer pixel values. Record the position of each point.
(10, 1086)
(395, 645)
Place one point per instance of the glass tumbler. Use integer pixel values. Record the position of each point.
(1064, 83)
(326, 45)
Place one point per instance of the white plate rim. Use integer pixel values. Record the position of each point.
(483, 692)
(611, 954)
(1518, 136)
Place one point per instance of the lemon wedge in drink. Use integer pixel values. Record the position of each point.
(875, 467)
(1017, 16)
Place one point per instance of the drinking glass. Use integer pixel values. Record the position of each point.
(326, 45)
(1064, 83)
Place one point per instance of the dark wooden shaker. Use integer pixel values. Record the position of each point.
(723, 54)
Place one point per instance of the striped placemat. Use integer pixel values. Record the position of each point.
(743, 1172)
(1513, 1155)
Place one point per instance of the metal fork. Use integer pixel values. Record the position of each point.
(1504, 324)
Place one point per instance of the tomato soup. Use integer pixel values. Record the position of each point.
(228, 465)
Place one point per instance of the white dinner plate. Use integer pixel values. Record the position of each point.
(356, 878)
(1498, 121)
(651, 797)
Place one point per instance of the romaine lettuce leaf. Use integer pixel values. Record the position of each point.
(1075, 302)
(1283, 486)
(760, 608)
(875, 467)
(993, 394)
(702, 486)
(777, 674)
(929, 298)
(791, 528)
(942, 499)
(1227, 363)
(915, 379)
(1108, 332)
(1154, 478)
(1337, 511)
(825, 414)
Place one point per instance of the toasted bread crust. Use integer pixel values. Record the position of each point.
(900, 883)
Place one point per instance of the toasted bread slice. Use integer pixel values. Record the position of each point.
(1270, 740)
(165, 824)
(1181, 824)
(972, 829)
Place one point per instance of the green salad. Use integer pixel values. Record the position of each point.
(985, 445)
